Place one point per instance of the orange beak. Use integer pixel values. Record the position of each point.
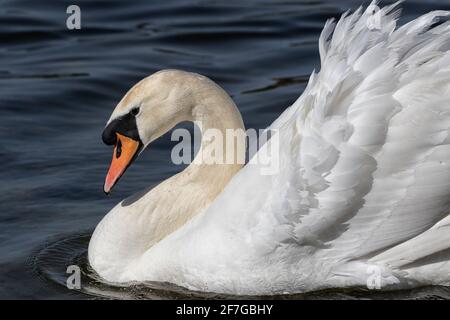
(125, 151)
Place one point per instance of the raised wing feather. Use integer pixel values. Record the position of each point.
(373, 126)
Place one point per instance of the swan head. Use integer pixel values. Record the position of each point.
(148, 110)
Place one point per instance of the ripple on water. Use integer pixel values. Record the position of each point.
(50, 262)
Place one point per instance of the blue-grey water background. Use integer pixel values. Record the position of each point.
(59, 86)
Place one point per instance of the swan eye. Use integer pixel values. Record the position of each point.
(135, 111)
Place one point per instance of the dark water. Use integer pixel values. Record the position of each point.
(58, 88)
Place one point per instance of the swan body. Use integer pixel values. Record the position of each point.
(362, 191)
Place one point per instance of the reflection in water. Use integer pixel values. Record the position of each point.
(51, 263)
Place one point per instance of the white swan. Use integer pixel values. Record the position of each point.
(363, 188)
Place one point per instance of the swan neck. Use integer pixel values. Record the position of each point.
(218, 159)
(222, 130)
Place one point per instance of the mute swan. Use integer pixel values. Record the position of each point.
(362, 191)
